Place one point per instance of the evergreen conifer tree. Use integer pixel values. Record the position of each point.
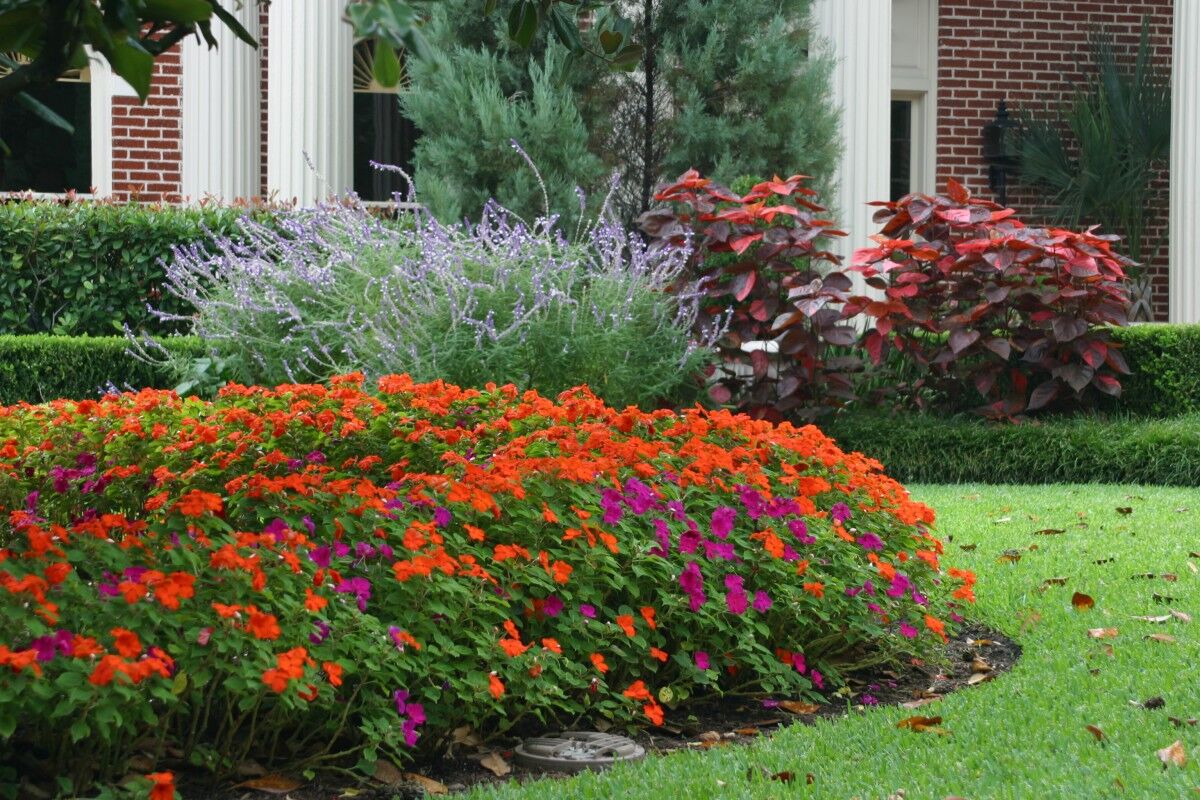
(730, 87)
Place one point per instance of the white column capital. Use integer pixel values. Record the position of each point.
(310, 100)
(1184, 226)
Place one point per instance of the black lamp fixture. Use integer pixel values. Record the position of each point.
(997, 151)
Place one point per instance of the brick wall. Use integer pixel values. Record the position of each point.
(1030, 53)
(147, 137)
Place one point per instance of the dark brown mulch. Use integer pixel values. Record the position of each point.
(975, 655)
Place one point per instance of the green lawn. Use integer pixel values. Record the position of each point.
(1022, 735)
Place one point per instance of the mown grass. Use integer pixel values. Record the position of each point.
(1022, 735)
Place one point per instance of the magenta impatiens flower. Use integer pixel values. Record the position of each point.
(907, 630)
(735, 599)
(702, 661)
(840, 512)
(692, 582)
(722, 521)
(799, 529)
(762, 601)
(359, 587)
(588, 611)
(869, 541)
(900, 585)
(552, 606)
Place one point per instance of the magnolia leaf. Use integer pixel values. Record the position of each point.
(1102, 633)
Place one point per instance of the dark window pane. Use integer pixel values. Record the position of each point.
(45, 158)
(382, 134)
(901, 177)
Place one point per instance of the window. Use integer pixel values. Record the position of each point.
(381, 132)
(902, 147)
(42, 157)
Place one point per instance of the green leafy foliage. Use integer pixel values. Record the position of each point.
(1165, 360)
(38, 368)
(1080, 449)
(1096, 159)
(92, 268)
(322, 575)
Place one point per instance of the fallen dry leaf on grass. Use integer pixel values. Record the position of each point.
(923, 701)
(1182, 617)
(495, 764)
(1049, 531)
(272, 784)
(1173, 754)
(1094, 730)
(1159, 618)
(1160, 637)
(977, 678)
(1179, 723)
(1055, 581)
(1082, 602)
(922, 724)
(1101, 633)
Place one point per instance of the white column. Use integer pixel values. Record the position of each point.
(104, 85)
(221, 112)
(1184, 226)
(310, 100)
(860, 33)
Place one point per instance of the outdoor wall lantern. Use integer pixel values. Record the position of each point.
(998, 136)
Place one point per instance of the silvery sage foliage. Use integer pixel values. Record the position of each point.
(333, 289)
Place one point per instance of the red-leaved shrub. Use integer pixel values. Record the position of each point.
(1018, 314)
(760, 262)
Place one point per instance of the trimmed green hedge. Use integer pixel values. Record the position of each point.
(39, 368)
(937, 449)
(86, 268)
(1166, 364)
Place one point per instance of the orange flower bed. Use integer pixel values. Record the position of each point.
(364, 571)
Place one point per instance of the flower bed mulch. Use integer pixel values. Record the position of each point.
(974, 655)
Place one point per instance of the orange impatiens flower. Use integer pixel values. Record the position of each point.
(163, 785)
(548, 515)
(313, 601)
(937, 626)
(637, 691)
(648, 614)
(661, 655)
(598, 662)
(127, 642)
(495, 686)
(197, 503)
(625, 623)
(552, 645)
(262, 625)
(816, 588)
(333, 671)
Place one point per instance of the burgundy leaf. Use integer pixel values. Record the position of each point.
(962, 338)
(1043, 394)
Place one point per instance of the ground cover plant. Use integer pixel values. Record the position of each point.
(1132, 550)
(331, 289)
(195, 581)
